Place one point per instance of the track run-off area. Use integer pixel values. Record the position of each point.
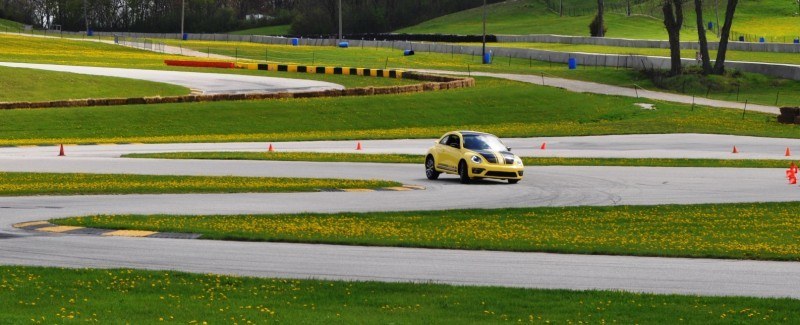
(542, 186)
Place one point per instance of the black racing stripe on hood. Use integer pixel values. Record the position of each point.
(488, 155)
(508, 157)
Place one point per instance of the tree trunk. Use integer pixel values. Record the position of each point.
(719, 66)
(701, 34)
(673, 21)
(600, 10)
(628, 8)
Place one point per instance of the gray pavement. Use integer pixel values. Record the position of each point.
(543, 186)
(698, 146)
(204, 83)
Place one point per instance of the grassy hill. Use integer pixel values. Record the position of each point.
(770, 18)
(279, 30)
(8, 24)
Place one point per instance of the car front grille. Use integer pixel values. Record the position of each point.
(501, 174)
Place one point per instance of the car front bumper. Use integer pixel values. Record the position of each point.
(496, 171)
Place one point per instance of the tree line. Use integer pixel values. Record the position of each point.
(307, 17)
(673, 14)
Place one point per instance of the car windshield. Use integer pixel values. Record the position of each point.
(483, 142)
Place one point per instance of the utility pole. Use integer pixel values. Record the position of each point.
(483, 58)
(85, 17)
(183, 14)
(341, 36)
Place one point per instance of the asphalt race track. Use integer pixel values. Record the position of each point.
(542, 186)
(204, 83)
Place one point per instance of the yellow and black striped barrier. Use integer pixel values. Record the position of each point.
(385, 73)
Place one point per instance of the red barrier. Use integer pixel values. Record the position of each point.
(200, 64)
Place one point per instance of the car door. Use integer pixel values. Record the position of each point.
(451, 153)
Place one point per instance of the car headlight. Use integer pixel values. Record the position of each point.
(477, 159)
(518, 161)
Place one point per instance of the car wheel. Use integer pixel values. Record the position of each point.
(430, 169)
(463, 173)
(513, 181)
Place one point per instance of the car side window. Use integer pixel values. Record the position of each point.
(443, 141)
(453, 140)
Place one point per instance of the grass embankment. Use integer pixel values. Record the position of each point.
(766, 231)
(39, 85)
(505, 108)
(419, 159)
(533, 17)
(18, 184)
(278, 30)
(775, 19)
(48, 295)
(14, 48)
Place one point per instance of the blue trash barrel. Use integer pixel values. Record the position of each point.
(185, 36)
(487, 58)
(408, 52)
(741, 38)
(761, 40)
(797, 40)
(344, 44)
(710, 25)
(573, 63)
(90, 32)
(295, 41)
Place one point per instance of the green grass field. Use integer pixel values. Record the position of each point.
(19, 184)
(517, 110)
(51, 295)
(753, 88)
(14, 48)
(419, 159)
(278, 30)
(37, 85)
(765, 231)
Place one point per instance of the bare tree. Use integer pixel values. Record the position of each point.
(701, 34)
(673, 21)
(719, 66)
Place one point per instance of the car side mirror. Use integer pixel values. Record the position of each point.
(455, 145)
(508, 148)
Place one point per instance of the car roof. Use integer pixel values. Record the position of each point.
(466, 132)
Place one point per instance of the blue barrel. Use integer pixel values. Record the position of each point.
(344, 44)
(710, 25)
(761, 40)
(487, 58)
(408, 52)
(295, 41)
(741, 38)
(185, 36)
(797, 40)
(573, 63)
(89, 32)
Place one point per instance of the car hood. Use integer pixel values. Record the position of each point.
(497, 157)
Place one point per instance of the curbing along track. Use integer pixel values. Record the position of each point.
(430, 83)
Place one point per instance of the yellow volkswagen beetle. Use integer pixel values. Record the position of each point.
(473, 155)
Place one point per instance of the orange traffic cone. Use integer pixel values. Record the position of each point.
(788, 153)
(271, 149)
(544, 146)
(792, 176)
(61, 151)
(358, 147)
(735, 150)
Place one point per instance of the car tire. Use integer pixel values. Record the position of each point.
(463, 173)
(513, 181)
(430, 169)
